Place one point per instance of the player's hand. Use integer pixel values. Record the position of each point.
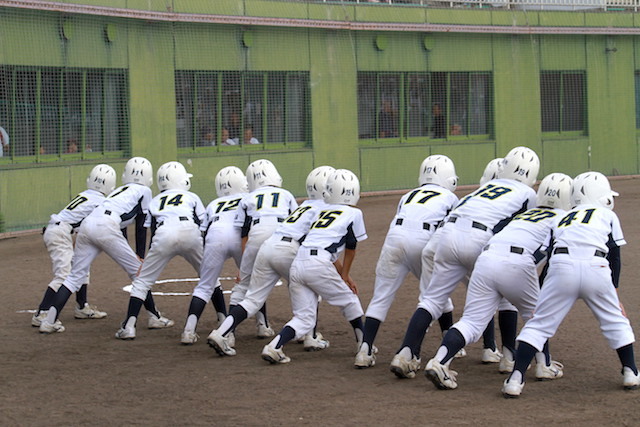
(238, 277)
(624, 313)
(351, 284)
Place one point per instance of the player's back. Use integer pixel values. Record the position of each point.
(176, 205)
(297, 224)
(267, 204)
(125, 202)
(427, 204)
(221, 212)
(588, 227)
(79, 208)
(495, 201)
(529, 230)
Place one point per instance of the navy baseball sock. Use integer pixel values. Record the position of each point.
(627, 358)
(358, 327)
(218, 301)
(263, 310)
(489, 335)
(523, 356)
(286, 334)
(454, 341)
(446, 321)
(81, 296)
(238, 313)
(47, 300)
(416, 331)
(547, 353)
(196, 307)
(371, 327)
(135, 305)
(150, 305)
(508, 324)
(61, 298)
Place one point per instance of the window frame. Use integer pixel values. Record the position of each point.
(560, 132)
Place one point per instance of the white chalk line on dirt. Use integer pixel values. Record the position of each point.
(127, 289)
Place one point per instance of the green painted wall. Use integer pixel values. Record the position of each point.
(152, 51)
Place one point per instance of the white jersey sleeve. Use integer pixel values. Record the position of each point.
(495, 202)
(176, 205)
(221, 212)
(589, 226)
(425, 206)
(79, 208)
(336, 227)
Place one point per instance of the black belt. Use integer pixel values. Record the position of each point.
(513, 249)
(313, 252)
(474, 224)
(425, 225)
(107, 212)
(184, 218)
(565, 251)
(287, 239)
(257, 221)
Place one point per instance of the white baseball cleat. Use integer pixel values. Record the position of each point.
(404, 364)
(188, 337)
(88, 312)
(491, 356)
(315, 344)
(220, 344)
(460, 354)
(264, 331)
(440, 375)
(506, 365)
(274, 355)
(159, 322)
(512, 388)
(551, 372)
(37, 318)
(126, 333)
(364, 359)
(51, 328)
(630, 381)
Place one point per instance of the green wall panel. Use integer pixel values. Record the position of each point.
(513, 17)
(383, 13)
(30, 38)
(284, 49)
(458, 16)
(562, 19)
(208, 47)
(332, 12)
(569, 156)
(152, 5)
(562, 52)
(402, 51)
(461, 52)
(395, 167)
(609, 19)
(276, 9)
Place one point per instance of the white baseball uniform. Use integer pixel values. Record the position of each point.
(578, 268)
(260, 212)
(176, 215)
(507, 269)
(222, 241)
(101, 231)
(419, 213)
(277, 253)
(58, 234)
(467, 230)
(313, 272)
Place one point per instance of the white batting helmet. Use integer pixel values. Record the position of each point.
(342, 188)
(555, 191)
(521, 164)
(438, 169)
(491, 170)
(262, 173)
(592, 188)
(102, 178)
(173, 176)
(231, 180)
(316, 181)
(138, 170)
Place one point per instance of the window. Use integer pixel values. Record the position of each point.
(563, 101)
(242, 108)
(58, 113)
(424, 105)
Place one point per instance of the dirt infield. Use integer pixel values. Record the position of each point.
(86, 376)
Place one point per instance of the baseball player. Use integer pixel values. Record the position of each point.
(585, 263)
(174, 217)
(316, 271)
(222, 241)
(58, 239)
(515, 249)
(273, 261)
(259, 214)
(467, 230)
(101, 231)
(418, 214)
